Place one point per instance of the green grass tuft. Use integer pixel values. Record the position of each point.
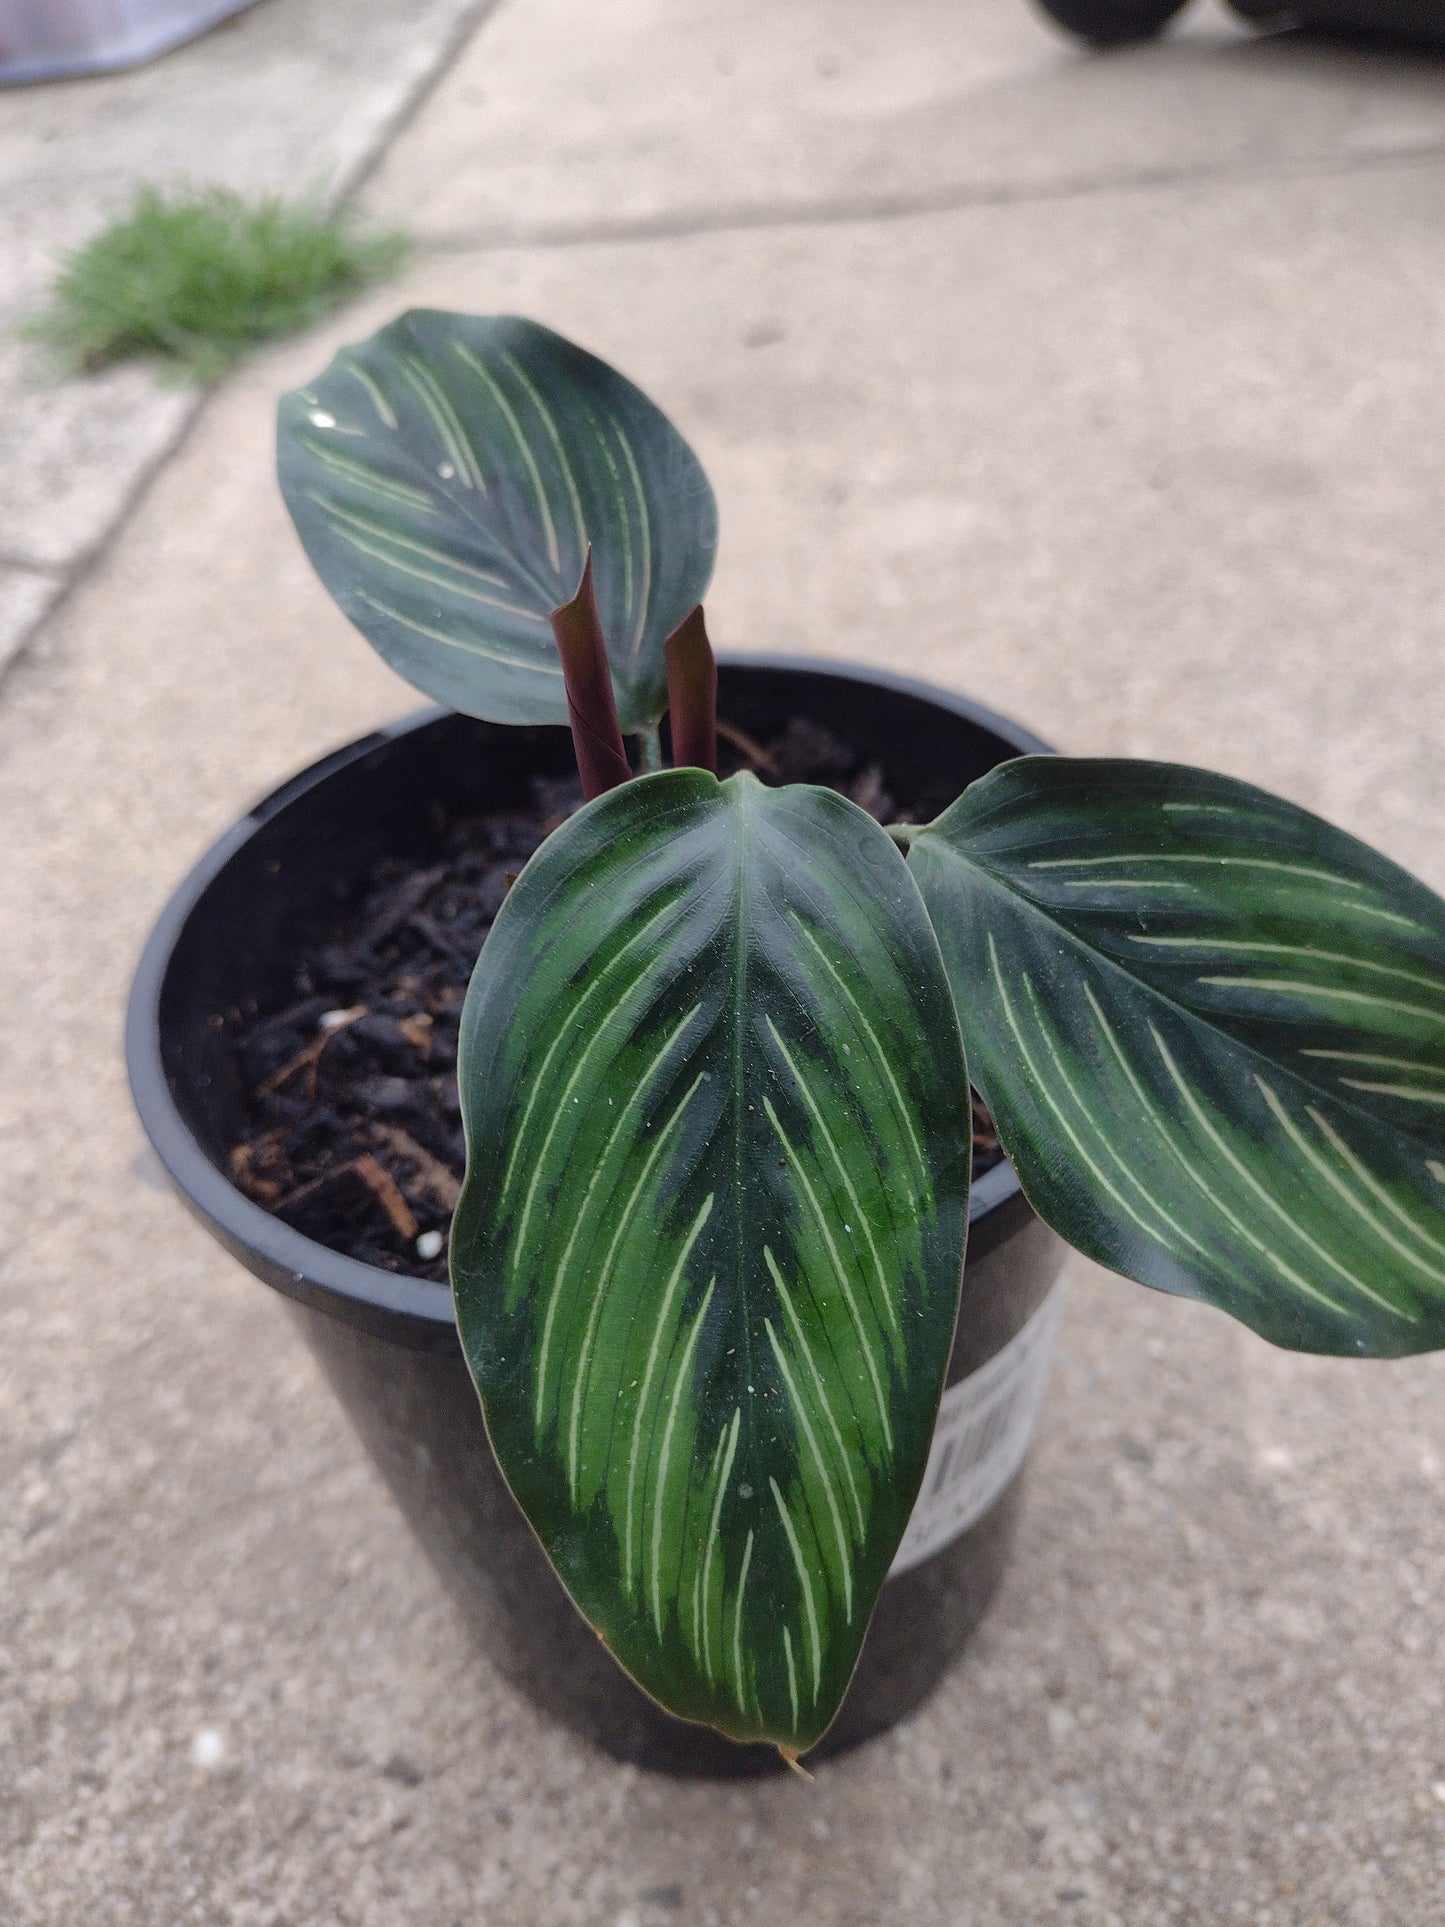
(197, 277)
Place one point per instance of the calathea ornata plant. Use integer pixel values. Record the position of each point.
(717, 1049)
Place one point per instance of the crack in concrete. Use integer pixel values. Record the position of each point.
(862, 210)
(682, 224)
(71, 575)
(467, 25)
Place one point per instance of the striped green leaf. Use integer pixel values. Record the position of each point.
(1211, 1029)
(707, 1256)
(446, 479)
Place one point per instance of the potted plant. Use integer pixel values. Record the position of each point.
(717, 1051)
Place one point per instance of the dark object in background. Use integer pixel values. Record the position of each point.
(1114, 23)
(56, 39)
(1422, 21)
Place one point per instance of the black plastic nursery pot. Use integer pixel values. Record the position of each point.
(387, 1342)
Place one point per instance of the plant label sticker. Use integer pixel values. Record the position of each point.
(985, 1425)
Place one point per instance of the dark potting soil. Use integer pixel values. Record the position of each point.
(354, 1132)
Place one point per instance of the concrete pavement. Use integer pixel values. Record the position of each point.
(285, 97)
(1108, 391)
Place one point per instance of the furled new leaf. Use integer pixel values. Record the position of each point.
(707, 1256)
(1211, 1029)
(447, 477)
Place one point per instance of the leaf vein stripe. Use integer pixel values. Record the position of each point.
(1242, 1171)
(517, 1250)
(379, 402)
(712, 1543)
(800, 1339)
(1337, 1184)
(1141, 1095)
(353, 471)
(815, 1112)
(663, 1315)
(681, 1383)
(880, 1055)
(1253, 947)
(524, 449)
(1411, 1093)
(582, 1364)
(1266, 1251)
(805, 1583)
(428, 391)
(697, 1576)
(434, 580)
(1383, 1063)
(644, 520)
(845, 1560)
(1285, 987)
(384, 534)
(1015, 895)
(558, 447)
(600, 981)
(1185, 856)
(1041, 1085)
(821, 1219)
(1371, 1183)
(623, 514)
(468, 645)
(1151, 1111)
(742, 1693)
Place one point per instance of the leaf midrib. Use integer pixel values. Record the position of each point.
(740, 789)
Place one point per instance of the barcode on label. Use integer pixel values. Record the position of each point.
(985, 1424)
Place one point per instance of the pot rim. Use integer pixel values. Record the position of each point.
(296, 1264)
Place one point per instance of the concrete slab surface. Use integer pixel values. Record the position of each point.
(1154, 470)
(74, 450)
(291, 95)
(681, 112)
(25, 595)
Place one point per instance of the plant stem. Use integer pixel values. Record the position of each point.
(692, 695)
(902, 834)
(591, 705)
(649, 742)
